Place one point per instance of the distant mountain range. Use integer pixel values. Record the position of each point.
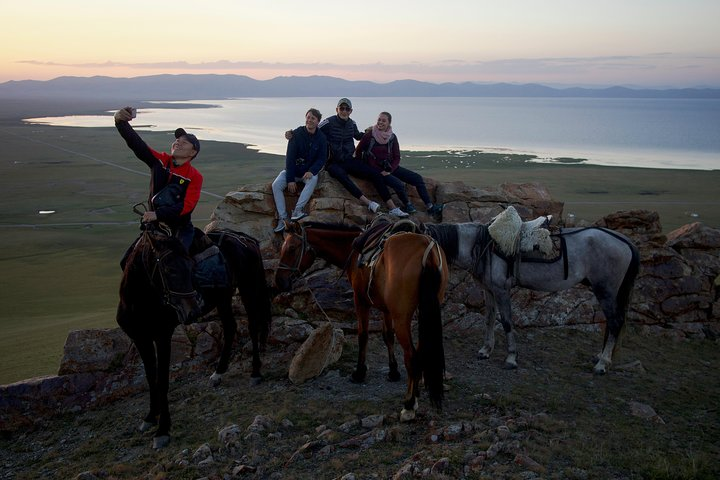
(194, 87)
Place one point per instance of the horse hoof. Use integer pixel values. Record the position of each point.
(256, 380)
(215, 379)
(393, 376)
(407, 415)
(511, 362)
(483, 354)
(357, 377)
(161, 442)
(599, 370)
(146, 426)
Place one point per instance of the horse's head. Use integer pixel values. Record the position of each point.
(160, 262)
(296, 256)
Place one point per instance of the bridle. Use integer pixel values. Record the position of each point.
(305, 247)
(153, 259)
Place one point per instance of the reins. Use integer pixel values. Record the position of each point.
(305, 247)
(295, 269)
(154, 266)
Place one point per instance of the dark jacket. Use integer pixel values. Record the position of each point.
(379, 156)
(305, 153)
(340, 136)
(176, 209)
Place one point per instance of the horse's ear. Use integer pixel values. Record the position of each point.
(292, 227)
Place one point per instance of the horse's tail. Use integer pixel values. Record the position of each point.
(626, 287)
(257, 299)
(245, 261)
(431, 354)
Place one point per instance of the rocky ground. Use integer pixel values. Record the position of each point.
(653, 416)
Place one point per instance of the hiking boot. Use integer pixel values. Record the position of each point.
(435, 210)
(410, 208)
(298, 216)
(280, 226)
(396, 212)
(373, 206)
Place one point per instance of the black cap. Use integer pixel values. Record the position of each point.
(180, 132)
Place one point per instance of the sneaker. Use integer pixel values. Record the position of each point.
(298, 216)
(435, 209)
(396, 212)
(280, 226)
(373, 207)
(410, 208)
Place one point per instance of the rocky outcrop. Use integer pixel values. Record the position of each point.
(676, 292)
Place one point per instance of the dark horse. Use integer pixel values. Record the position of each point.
(410, 273)
(603, 259)
(148, 313)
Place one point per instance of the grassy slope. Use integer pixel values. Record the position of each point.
(60, 271)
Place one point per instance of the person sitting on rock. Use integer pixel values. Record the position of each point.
(341, 132)
(379, 148)
(305, 157)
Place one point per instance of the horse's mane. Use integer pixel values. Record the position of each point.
(480, 250)
(337, 226)
(165, 241)
(447, 236)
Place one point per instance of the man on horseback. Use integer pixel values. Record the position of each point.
(175, 184)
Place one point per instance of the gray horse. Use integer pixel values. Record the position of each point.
(603, 259)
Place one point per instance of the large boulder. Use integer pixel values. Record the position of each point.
(322, 348)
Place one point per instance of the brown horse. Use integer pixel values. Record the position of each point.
(409, 274)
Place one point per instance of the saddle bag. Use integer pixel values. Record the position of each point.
(210, 270)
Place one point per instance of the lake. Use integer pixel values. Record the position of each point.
(657, 133)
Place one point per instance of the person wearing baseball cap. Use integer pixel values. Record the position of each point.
(341, 132)
(175, 183)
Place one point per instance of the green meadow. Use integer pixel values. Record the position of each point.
(60, 270)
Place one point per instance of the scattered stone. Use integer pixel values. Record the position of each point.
(635, 366)
(643, 410)
(372, 421)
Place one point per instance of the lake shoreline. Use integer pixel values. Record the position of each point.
(552, 133)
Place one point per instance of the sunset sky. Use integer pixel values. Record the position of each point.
(648, 43)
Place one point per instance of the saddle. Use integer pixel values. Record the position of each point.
(559, 250)
(370, 243)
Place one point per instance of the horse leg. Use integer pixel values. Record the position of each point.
(363, 317)
(146, 349)
(615, 320)
(229, 325)
(256, 299)
(503, 302)
(389, 338)
(414, 371)
(162, 434)
(258, 314)
(490, 315)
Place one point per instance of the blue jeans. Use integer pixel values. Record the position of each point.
(278, 188)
